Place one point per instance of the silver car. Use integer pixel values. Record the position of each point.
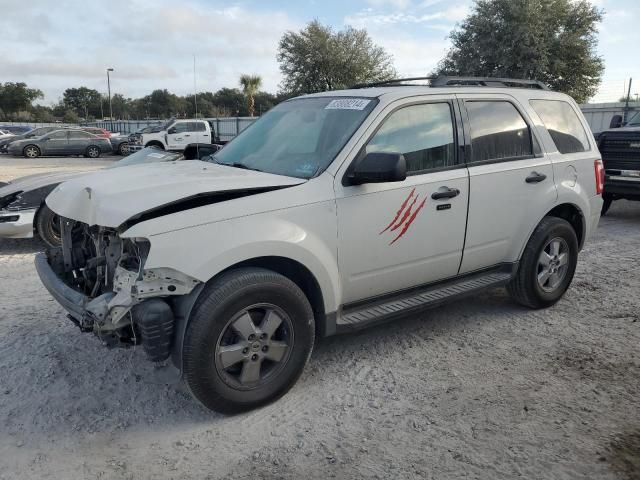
(62, 142)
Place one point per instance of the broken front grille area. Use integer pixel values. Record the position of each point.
(89, 255)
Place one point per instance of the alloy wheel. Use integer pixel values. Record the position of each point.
(31, 152)
(553, 264)
(254, 346)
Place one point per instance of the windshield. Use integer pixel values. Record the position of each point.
(147, 155)
(297, 138)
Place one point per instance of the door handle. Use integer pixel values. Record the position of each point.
(445, 192)
(535, 177)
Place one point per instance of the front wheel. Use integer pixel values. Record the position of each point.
(48, 226)
(123, 149)
(607, 200)
(93, 151)
(31, 151)
(547, 264)
(250, 335)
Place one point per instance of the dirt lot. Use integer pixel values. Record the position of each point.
(13, 167)
(479, 389)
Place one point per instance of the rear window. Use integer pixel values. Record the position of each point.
(498, 131)
(563, 125)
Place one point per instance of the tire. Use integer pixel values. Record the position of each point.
(218, 381)
(155, 144)
(47, 227)
(123, 149)
(606, 204)
(529, 286)
(31, 151)
(92, 151)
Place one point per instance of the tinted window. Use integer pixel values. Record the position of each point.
(75, 135)
(197, 127)
(498, 131)
(59, 135)
(422, 133)
(563, 125)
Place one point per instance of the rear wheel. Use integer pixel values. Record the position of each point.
(31, 151)
(547, 265)
(249, 338)
(93, 151)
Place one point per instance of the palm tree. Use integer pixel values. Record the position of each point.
(250, 85)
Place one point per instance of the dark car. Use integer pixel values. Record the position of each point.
(23, 212)
(62, 142)
(620, 150)
(32, 133)
(120, 144)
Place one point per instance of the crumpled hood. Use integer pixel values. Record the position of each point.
(38, 180)
(111, 197)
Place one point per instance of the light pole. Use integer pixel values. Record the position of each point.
(109, 90)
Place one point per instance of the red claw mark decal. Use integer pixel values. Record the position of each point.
(405, 215)
(402, 207)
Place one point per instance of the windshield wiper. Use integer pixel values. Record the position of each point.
(239, 165)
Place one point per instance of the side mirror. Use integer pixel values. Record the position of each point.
(616, 121)
(378, 167)
(171, 130)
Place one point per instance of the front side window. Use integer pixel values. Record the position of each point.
(498, 131)
(181, 127)
(59, 135)
(299, 137)
(563, 125)
(422, 133)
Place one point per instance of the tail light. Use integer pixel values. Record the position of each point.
(599, 171)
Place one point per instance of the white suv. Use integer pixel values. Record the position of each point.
(332, 212)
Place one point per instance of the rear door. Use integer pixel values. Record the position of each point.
(200, 133)
(79, 141)
(511, 180)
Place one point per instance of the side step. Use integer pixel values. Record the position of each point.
(420, 298)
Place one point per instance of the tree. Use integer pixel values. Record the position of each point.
(317, 59)
(84, 101)
(15, 97)
(549, 40)
(250, 86)
(70, 116)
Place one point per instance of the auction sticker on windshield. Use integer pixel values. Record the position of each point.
(348, 104)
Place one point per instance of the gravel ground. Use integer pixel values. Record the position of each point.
(13, 167)
(479, 389)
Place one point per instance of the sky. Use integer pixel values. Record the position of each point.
(150, 44)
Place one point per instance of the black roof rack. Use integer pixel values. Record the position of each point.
(445, 81)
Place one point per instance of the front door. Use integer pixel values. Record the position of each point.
(57, 143)
(179, 136)
(396, 235)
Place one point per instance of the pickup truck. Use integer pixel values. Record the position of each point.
(174, 135)
(620, 149)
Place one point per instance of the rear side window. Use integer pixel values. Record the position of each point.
(422, 133)
(198, 127)
(563, 125)
(498, 131)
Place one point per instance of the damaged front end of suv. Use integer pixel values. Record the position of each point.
(101, 280)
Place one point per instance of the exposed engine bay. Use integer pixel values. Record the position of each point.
(123, 303)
